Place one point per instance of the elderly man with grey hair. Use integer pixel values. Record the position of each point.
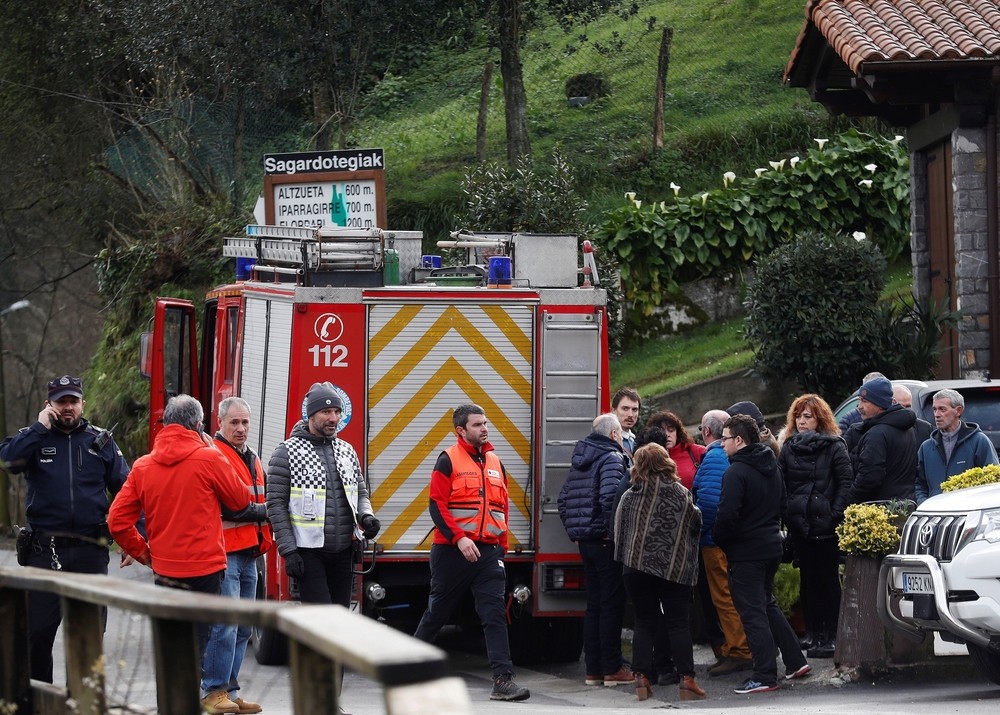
(586, 507)
(179, 485)
(953, 447)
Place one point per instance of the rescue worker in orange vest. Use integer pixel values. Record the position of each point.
(469, 507)
(247, 535)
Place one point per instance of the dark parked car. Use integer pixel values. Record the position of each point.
(982, 403)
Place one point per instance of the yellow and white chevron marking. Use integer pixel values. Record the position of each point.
(423, 362)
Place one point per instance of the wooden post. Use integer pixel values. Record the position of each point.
(661, 87)
(316, 680)
(484, 106)
(15, 683)
(860, 633)
(178, 666)
(85, 667)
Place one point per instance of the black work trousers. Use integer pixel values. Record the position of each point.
(451, 576)
(45, 609)
(751, 584)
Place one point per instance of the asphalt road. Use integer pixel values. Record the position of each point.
(953, 687)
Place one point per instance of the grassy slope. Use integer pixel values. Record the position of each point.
(726, 110)
(725, 104)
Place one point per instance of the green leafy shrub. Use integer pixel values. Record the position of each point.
(975, 477)
(867, 530)
(786, 587)
(857, 183)
(535, 198)
(911, 333)
(529, 197)
(812, 309)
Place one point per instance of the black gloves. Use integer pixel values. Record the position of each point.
(294, 565)
(260, 512)
(370, 526)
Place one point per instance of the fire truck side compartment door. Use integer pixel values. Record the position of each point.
(171, 357)
(264, 371)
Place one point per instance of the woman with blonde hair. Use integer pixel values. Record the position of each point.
(657, 529)
(817, 472)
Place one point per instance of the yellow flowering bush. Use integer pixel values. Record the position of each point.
(867, 531)
(975, 477)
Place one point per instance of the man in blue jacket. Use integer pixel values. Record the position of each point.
(586, 507)
(952, 448)
(70, 466)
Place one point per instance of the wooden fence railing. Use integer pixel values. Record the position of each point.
(415, 676)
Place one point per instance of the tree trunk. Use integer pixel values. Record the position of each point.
(484, 105)
(239, 131)
(515, 100)
(860, 633)
(661, 87)
(322, 116)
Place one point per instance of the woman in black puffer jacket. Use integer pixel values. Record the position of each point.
(817, 472)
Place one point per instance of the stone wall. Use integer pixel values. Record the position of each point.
(969, 192)
(971, 266)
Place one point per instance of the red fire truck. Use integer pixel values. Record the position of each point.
(404, 343)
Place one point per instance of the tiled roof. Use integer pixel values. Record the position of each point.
(863, 31)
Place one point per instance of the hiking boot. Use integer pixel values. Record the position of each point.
(730, 665)
(504, 688)
(594, 680)
(218, 702)
(755, 686)
(247, 707)
(622, 676)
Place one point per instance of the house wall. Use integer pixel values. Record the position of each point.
(969, 207)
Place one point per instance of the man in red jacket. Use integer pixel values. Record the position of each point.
(247, 535)
(179, 486)
(469, 507)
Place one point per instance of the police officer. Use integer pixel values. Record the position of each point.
(70, 466)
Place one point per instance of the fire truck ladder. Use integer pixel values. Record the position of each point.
(571, 379)
(302, 251)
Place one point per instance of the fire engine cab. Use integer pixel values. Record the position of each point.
(404, 341)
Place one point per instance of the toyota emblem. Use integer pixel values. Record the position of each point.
(926, 535)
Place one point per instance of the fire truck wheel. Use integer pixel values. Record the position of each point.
(269, 646)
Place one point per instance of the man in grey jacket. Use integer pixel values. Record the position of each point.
(317, 501)
(952, 448)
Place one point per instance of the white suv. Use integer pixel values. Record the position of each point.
(946, 575)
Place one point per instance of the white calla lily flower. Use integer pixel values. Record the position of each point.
(821, 142)
(759, 172)
(675, 188)
(871, 167)
(728, 178)
(859, 235)
(867, 183)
